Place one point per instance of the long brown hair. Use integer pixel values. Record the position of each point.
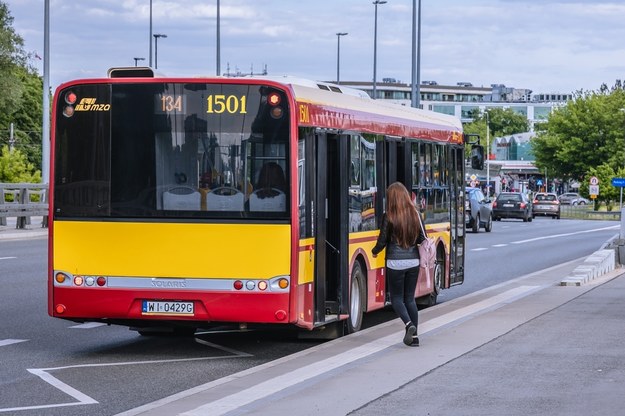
(402, 214)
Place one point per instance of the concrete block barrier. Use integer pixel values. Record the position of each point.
(597, 264)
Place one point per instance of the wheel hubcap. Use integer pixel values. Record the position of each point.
(355, 304)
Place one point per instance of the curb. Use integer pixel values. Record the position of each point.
(597, 264)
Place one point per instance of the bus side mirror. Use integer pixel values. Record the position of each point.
(477, 157)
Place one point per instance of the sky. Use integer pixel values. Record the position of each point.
(546, 46)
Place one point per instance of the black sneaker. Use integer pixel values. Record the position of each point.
(410, 331)
(415, 342)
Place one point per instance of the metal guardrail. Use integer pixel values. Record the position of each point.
(587, 212)
(23, 200)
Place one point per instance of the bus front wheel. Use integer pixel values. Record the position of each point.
(356, 299)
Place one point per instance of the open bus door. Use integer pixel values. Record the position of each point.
(331, 233)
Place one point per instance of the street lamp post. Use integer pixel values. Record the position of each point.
(138, 59)
(416, 55)
(218, 57)
(150, 38)
(156, 36)
(45, 133)
(375, 44)
(338, 54)
(487, 153)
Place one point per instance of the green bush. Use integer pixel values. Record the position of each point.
(15, 168)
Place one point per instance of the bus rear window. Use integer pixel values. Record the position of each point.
(192, 150)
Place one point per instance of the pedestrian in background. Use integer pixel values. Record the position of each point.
(400, 233)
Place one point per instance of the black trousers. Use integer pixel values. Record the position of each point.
(402, 285)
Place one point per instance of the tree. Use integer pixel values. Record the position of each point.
(588, 132)
(607, 192)
(21, 86)
(12, 58)
(14, 167)
(27, 117)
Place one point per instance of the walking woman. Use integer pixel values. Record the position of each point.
(400, 233)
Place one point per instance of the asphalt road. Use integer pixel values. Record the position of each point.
(55, 367)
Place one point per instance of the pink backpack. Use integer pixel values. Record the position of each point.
(427, 253)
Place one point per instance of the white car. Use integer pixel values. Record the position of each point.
(572, 198)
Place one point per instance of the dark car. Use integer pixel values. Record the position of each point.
(512, 205)
(546, 204)
(478, 210)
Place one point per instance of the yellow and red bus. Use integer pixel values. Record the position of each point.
(188, 203)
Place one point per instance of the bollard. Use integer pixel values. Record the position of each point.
(620, 243)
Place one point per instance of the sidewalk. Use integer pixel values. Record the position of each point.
(528, 346)
(33, 230)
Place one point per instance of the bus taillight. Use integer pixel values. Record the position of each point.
(78, 280)
(68, 111)
(273, 99)
(70, 98)
(60, 277)
(101, 281)
(238, 285)
(283, 283)
(59, 309)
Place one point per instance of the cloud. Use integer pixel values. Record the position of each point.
(541, 45)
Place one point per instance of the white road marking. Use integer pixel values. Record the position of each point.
(277, 384)
(83, 399)
(88, 325)
(5, 342)
(612, 227)
(7, 258)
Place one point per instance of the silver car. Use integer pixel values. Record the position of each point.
(572, 198)
(478, 210)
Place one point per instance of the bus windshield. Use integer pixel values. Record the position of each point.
(171, 149)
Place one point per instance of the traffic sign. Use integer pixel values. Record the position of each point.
(594, 180)
(593, 190)
(618, 182)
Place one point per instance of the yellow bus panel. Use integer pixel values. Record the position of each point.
(172, 249)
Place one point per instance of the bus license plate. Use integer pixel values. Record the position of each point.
(167, 308)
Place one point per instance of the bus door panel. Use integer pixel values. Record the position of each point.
(456, 257)
(331, 220)
(307, 250)
(395, 153)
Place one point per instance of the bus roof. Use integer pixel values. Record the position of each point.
(347, 112)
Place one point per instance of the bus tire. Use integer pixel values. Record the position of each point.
(356, 299)
(437, 285)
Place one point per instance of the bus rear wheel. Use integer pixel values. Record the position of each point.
(356, 299)
(437, 281)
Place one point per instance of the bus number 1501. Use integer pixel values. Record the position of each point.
(221, 103)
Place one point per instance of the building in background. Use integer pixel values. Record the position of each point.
(462, 99)
(511, 164)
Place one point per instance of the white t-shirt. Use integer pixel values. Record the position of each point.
(402, 264)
